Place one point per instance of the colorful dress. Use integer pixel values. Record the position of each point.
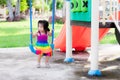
(42, 46)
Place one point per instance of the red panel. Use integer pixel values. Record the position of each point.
(80, 37)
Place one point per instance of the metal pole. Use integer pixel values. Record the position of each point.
(94, 39)
(53, 22)
(31, 40)
(30, 3)
(68, 34)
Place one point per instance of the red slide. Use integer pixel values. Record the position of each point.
(80, 37)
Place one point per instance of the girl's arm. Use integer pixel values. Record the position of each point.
(49, 33)
(34, 35)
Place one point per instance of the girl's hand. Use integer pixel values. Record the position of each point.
(49, 33)
(34, 35)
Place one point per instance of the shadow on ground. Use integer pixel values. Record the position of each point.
(110, 69)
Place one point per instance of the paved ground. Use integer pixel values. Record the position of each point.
(20, 64)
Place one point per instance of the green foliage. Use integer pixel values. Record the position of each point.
(59, 21)
(13, 2)
(2, 2)
(28, 2)
(46, 7)
(37, 4)
(59, 4)
(23, 5)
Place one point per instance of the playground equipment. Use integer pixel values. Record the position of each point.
(111, 11)
(87, 16)
(81, 23)
(31, 40)
(94, 71)
(68, 34)
(80, 37)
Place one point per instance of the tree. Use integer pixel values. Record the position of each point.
(14, 13)
(2, 2)
(24, 6)
(40, 5)
(10, 10)
(59, 4)
(29, 2)
(17, 10)
(37, 4)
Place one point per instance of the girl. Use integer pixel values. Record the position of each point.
(42, 46)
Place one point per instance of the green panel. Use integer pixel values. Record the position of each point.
(74, 5)
(81, 13)
(84, 7)
(78, 9)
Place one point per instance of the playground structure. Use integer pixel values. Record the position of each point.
(80, 37)
(81, 26)
(83, 21)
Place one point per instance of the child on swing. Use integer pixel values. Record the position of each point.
(42, 46)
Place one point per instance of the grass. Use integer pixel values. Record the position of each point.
(16, 34)
(109, 38)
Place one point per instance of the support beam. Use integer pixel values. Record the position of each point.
(94, 71)
(68, 34)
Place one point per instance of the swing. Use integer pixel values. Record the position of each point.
(31, 39)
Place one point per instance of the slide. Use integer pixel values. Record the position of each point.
(80, 37)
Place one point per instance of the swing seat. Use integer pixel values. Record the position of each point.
(32, 48)
(34, 51)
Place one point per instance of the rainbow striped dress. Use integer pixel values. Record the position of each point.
(42, 46)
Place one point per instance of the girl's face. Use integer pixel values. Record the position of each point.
(40, 28)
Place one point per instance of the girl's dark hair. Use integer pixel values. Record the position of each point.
(45, 25)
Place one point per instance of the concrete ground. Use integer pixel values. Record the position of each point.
(20, 64)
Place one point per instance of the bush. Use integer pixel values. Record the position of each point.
(2, 2)
(57, 20)
(59, 4)
(39, 5)
(23, 5)
(46, 8)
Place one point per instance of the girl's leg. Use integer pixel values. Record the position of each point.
(39, 60)
(47, 61)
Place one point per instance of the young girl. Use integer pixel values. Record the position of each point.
(42, 46)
